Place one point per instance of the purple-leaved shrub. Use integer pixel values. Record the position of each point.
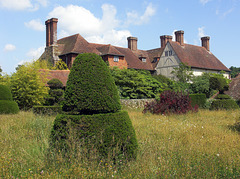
(170, 102)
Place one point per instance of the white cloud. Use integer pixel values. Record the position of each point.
(35, 53)
(9, 47)
(22, 4)
(98, 30)
(204, 1)
(136, 19)
(201, 32)
(35, 24)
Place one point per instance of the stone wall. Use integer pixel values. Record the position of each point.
(135, 103)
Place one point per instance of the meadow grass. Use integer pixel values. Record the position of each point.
(194, 145)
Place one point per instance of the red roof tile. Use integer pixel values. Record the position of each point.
(197, 57)
(62, 75)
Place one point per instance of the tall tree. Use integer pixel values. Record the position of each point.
(183, 73)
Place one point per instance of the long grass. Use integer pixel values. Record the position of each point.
(194, 145)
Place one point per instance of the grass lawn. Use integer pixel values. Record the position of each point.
(195, 145)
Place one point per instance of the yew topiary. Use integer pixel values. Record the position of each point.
(92, 118)
(7, 105)
(90, 87)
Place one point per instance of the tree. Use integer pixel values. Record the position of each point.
(183, 73)
(60, 65)
(28, 85)
(0, 71)
(136, 84)
(234, 71)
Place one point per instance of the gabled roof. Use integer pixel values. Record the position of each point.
(77, 44)
(197, 57)
(109, 50)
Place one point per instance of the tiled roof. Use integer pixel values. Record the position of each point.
(234, 88)
(77, 44)
(197, 57)
(62, 75)
(153, 54)
(109, 50)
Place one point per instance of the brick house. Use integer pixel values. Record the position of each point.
(161, 60)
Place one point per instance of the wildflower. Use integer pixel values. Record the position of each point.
(218, 155)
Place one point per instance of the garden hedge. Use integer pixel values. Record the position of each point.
(8, 107)
(5, 93)
(49, 110)
(198, 99)
(226, 104)
(104, 132)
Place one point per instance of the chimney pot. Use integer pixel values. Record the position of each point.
(179, 37)
(165, 39)
(132, 43)
(205, 42)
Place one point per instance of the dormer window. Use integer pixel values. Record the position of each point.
(166, 53)
(144, 59)
(116, 59)
(155, 60)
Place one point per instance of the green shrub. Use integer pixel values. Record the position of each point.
(198, 99)
(5, 93)
(92, 116)
(55, 83)
(222, 96)
(8, 107)
(226, 104)
(50, 110)
(104, 132)
(90, 87)
(218, 83)
(136, 84)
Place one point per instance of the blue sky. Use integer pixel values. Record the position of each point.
(22, 22)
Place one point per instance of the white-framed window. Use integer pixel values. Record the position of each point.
(144, 59)
(116, 58)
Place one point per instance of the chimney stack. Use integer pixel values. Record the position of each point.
(205, 42)
(132, 43)
(179, 37)
(165, 39)
(51, 31)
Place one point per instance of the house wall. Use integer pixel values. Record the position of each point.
(167, 63)
(122, 63)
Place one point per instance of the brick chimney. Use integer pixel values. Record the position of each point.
(51, 31)
(179, 37)
(205, 42)
(132, 43)
(165, 39)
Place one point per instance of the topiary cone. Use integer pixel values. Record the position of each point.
(90, 87)
(92, 116)
(7, 105)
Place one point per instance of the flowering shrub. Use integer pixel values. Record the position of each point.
(170, 102)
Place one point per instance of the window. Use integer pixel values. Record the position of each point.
(166, 53)
(144, 60)
(155, 60)
(170, 53)
(116, 59)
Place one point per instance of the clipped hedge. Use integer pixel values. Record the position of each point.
(8, 107)
(198, 99)
(222, 96)
(49, 110)
(5, 93)
(222, 104)
(90, 87)
(55, 83)
(107, 133)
